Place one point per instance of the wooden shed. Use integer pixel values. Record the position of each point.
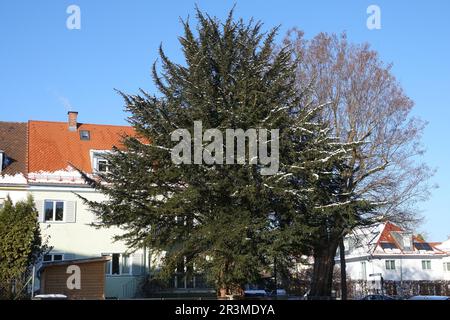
(77, 279)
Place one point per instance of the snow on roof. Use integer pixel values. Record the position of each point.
(444, 246)
(18, 178)
(52, 147)
(388, 238)
(67, 176)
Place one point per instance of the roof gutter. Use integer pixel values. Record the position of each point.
(11, 186)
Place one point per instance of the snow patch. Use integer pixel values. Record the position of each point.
(18, 178)
(66, 176)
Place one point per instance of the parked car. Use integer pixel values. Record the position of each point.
(255, 293)
(429, 298)
(265, 293)
(378, 297)
(50, 297)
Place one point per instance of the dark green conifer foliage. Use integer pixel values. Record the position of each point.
(231, 78)
(230, 221)
(20, 247)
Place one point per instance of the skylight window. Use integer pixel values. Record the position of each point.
(85, 135)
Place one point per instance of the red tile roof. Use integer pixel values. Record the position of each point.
(53, 147)
(387, 237)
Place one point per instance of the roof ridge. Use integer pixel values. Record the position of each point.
(82, 123)
(14, 122)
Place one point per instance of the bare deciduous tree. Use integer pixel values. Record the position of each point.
(370, 112)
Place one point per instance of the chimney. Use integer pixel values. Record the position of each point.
(73, 115)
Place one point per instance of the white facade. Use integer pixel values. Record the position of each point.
(42, 164)
(445, 246)
(14, 187)
(405, 268)
(74, 238)
(384, 252)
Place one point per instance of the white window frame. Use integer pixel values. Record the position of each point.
(106, 165)
(96, 156)
(426, 265)
(88, 135)
(390, 264)
(406, 241)
(446, 266)
(54, 211)
(121, 255)
(53, 256)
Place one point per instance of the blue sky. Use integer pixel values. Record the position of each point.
(46, 69)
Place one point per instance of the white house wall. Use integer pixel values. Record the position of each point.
(15, 193)
(445, 246)
(78, 238)
(446, 272)
(406, 268)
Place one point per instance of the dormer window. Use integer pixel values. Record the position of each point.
(102, 165)
(407, 241)
(99, 162)
(85, 135)
(403, 239)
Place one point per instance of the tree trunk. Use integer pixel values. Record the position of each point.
(343, 270)
(222, 292)
(225, 288)
(322, 278)
(234, 290)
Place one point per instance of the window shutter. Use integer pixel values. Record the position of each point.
(71, 208)
(40, 209)
(138, 264)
